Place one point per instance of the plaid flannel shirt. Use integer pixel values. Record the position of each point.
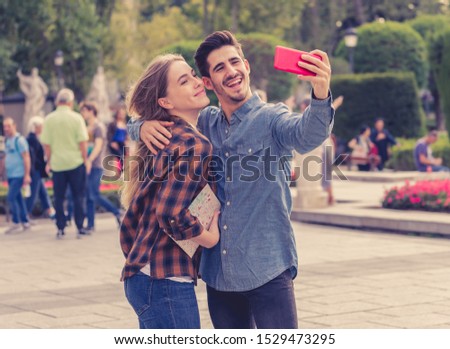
(173, 178)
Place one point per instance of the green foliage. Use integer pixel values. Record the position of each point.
(32, 31)
(259, 50)
(428, 25)
(384, 47)
(402, 158)
(392, 96)
(78, 33)
(440, 67)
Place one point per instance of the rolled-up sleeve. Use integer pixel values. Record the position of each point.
(134, 128)
(303, 132)
(184, 181)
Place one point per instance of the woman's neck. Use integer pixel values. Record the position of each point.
(190, 117)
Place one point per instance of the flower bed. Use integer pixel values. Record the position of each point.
(424, 195)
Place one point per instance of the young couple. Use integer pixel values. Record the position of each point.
(249, 268)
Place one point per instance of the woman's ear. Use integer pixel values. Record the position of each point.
(164, 103)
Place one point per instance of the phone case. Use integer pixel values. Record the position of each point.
(286, 59)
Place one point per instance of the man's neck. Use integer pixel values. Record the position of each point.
(230, 108)
(91, 121)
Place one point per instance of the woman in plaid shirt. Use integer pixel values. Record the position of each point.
(159, 276)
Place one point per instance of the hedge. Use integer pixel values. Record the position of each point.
(388, 47)
(402, 158)
(392, 96)
(440, 67)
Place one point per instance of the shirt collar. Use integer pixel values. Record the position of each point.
(245, 108)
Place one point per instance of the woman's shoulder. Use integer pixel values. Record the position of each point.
(185, 137)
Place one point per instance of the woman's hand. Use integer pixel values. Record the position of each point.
(210, 238)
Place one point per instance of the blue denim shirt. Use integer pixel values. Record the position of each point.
(250, 163)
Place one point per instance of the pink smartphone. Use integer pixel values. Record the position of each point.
(286, 59)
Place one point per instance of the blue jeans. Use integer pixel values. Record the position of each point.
(270, 306)
(37, 188)
(15, 200)
(94, 197)
(161, 303)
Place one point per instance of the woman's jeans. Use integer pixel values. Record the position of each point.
(15, 200)
(162, 303)
(94, 197)
(37, 189)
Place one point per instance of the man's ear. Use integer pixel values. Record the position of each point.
(164, 103)
(207, 82)
(247, 65)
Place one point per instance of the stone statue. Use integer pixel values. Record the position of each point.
(35, 91)
(99, 95)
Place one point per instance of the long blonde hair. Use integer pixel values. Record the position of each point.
(142, 103)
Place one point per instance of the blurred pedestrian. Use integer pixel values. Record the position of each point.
(17, 165)
(423, 155)
(96, 153)
(364, 152)
(65, 142)
(383, 139)
(38, 166)
(117, 135)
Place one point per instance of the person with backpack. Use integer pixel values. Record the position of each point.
(38, 172)
(17, 165)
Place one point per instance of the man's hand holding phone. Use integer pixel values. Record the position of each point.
(311, 66)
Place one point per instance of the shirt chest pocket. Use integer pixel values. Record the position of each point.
(251, 148)
(251, 160)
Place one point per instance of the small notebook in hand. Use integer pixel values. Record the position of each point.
(203, 207)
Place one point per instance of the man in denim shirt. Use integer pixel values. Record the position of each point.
(249, 273)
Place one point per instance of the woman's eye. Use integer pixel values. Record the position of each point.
(183, 82)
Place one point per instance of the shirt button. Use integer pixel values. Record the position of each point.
(227, 154)
(226, 131)
(172, 221)
(250, 150)
(224, 251)
(228, 179)
(225, 227)
(228, 203)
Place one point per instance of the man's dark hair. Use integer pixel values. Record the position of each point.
(213, 42)
(433, 132)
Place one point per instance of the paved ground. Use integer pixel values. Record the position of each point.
(349, 279)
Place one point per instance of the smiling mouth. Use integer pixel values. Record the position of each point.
(200, 93)
(234, 82)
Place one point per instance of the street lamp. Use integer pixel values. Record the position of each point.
(351, 41)
(59, 61)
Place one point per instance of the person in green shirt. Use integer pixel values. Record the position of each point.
(65, 142)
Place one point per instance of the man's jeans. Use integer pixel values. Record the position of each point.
(76, 180)
(15, 200)
(162, 303)
(94, 197)
(270, 306)
(37, 189)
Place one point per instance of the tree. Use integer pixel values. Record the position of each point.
(78, 32)
(440, 66)
(259, 50)
(427, 26)
(390, 46)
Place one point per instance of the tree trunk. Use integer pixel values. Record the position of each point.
(205, 18)
(234, 16)
(439, 116)
(359, 11)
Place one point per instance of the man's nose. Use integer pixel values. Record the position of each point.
(231, 70)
